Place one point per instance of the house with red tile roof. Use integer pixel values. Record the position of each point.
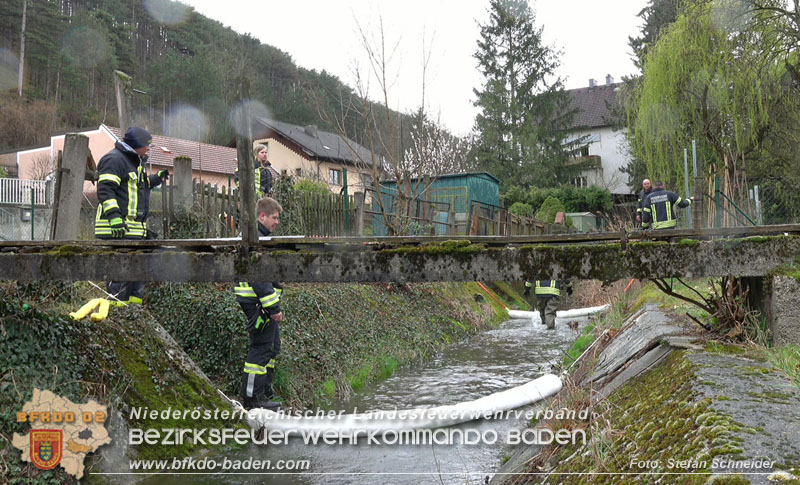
(211, 164)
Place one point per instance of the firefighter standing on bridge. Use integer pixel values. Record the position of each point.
(547, 295)
(658, 208)
(123, 192)
(261, 304)
(646, 189)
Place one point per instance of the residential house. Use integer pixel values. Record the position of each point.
(306, 151)
(212, 164)
(605, 148)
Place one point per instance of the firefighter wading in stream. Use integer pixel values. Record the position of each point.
(261, 304)
(547, 294)
(123, 192)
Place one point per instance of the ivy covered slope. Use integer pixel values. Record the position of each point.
(124, 361)
(334, 337)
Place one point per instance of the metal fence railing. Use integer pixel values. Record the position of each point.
(21, 191)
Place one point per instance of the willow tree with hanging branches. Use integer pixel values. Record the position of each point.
(709, 78)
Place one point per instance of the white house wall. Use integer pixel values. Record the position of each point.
(612, 148)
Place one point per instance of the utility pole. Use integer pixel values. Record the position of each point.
(22, 47)
(244, 152)
(122, 88)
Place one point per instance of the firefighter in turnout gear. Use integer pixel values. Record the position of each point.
(261, 304)
(123, 192)
(658, 208)
(646, 189)
(547, 294)
(262, 172)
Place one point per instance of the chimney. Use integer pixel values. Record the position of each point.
(592, 83)
(311, 130)
(609, 80)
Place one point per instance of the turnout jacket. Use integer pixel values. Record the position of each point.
(268, 295)
(123, 190)
(640, 201)
(658, 208)
(548, 288)
(263, 180)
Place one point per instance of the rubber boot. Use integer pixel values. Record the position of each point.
(261, 402)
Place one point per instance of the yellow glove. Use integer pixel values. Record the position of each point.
(85, 309)
(102, 311)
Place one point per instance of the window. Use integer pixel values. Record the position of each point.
(297, 172)
(580, 182)
(335, 176)
(585, 151)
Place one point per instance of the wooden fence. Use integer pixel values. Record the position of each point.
(214, 213)
(326, 214)
(490, 220)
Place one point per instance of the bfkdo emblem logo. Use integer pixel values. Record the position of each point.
(46, 447)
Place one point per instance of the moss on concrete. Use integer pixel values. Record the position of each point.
(655, 424)
(716, 347)
(120, 362)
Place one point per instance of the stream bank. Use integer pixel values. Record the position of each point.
(665, 408)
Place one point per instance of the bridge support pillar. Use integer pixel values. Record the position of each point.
(783, 309)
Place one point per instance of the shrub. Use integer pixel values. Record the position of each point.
(591, 199)
(311, 186)
(550, 207)
(521, 209)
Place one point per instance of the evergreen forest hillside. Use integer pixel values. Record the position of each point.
(186, 71)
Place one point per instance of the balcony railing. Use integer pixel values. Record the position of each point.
(20, 191)
(586, 163)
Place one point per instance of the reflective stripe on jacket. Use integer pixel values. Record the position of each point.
(123, 192)
(548, 288)
(659, 208)
(268, 295)
(263, 180)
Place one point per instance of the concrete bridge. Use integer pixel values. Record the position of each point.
(753, 251)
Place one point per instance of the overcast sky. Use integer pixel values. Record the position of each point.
(323, 35)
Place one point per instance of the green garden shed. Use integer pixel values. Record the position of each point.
(448, 193)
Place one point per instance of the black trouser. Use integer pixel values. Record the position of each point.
(124, 290)
(547, 309)
(265, 344)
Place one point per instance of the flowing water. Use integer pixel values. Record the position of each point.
(513, 354)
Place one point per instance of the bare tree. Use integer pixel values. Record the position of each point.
(436, 150)
(410, 150)
(41, 167)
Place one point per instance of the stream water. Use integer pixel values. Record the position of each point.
(513, 354)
